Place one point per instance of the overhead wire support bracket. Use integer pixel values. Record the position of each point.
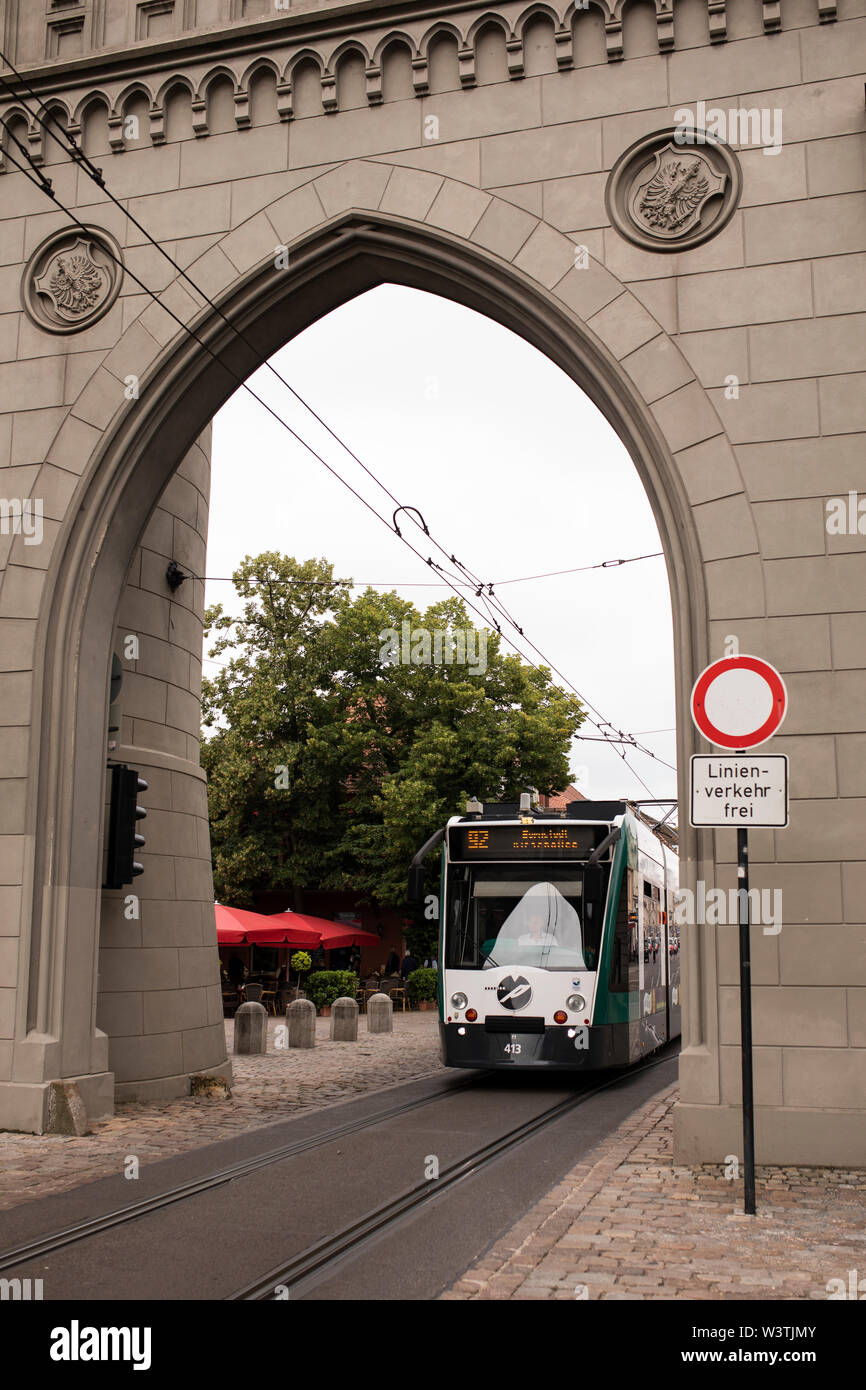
(81, 158)
(424, 527)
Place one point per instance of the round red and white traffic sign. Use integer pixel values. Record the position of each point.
(739, 701)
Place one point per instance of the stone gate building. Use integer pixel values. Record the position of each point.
(546, 165)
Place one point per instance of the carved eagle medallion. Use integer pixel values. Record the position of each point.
(674, 193)
(75, 283)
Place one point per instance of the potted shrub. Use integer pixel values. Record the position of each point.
(300, 962)
(422, 986)
(324, 986)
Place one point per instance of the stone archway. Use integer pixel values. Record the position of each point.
(355, 227)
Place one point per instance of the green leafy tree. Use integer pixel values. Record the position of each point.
(377, 752)
(277, 754)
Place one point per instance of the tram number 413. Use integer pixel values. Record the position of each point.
(513, 1047)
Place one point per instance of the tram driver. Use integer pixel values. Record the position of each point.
(546, 919)
(539, 932)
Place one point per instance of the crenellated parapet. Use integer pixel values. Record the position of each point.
(261, 67)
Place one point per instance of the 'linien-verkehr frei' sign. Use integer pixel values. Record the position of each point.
(744, 790)
(738, 703)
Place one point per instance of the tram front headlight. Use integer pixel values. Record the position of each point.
(576, 1003)
(459, 1001)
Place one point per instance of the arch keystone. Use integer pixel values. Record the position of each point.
(358, 184)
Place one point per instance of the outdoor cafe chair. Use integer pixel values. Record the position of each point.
(394, 990)
(366, 989)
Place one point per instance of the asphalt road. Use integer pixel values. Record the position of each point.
(213, 1243)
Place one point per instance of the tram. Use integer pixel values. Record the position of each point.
(557, 945)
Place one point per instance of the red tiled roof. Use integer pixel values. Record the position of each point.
(558, 800)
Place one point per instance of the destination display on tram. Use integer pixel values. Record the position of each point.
(524, 841)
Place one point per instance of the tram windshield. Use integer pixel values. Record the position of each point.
(523, 915)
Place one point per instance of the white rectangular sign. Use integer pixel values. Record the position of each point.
(739, 789)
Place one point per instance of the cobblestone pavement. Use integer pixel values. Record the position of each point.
(265, 1089)
(628, 1224)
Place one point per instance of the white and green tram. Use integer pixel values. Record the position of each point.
(557, 943)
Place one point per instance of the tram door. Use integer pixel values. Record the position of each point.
(653, 953)
(672, 951)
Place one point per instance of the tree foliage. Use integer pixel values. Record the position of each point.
(329, 763)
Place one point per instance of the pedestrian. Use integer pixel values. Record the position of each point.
(236, 972)
(393, 964)
(407, 965)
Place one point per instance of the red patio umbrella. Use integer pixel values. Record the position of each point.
(284, 934)
(334, 935)
(229, 930)
(236, 926)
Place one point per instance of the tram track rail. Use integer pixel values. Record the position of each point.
(316, 1260)
(69, 1235)
(333, 1250)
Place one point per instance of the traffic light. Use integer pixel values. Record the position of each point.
(123, 839)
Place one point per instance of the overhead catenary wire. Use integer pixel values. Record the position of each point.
(46, 187)
(96, 175)
(429, 583)
(496, 604)
(491, 607)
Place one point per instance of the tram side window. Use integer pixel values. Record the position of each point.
(652, 906)
(652, 917)
(595, 883)
(624, 953)
(462, 928)
(673, 927)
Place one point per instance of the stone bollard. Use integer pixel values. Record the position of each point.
(301, 1023)
(380, 1014)
(344, 1020)
(251, 1029)
(66, 1112)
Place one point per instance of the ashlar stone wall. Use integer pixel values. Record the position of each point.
(469, 152)
(159, 999)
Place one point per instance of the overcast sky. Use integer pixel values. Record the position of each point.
(515, 471)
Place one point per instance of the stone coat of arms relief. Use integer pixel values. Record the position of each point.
(669, 200)
(666, 194)
(72, 279)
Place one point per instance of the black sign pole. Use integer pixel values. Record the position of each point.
(746, 1023)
